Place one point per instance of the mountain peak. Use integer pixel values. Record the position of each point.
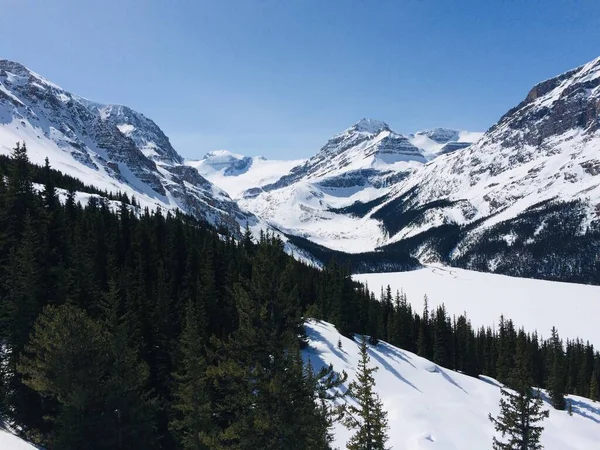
(22, 72)
(13, 67)
(370, 126)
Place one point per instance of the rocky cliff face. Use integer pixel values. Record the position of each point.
(110, 146)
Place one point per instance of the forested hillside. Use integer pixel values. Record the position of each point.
(132, 329)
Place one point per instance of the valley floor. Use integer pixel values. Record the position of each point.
(572, 308)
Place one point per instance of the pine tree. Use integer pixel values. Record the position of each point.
(423, 338)
(96, 379)
(520, 410)
(264, 400)
(556, 381)
(368, 418)
(594, 391)
(192, 424)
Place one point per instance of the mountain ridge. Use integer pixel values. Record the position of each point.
(110, 146)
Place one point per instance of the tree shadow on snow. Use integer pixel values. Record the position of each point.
(394, 353)
(391, 369)
(584, 409)
(448, 378)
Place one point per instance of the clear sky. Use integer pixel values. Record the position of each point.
(278, 77)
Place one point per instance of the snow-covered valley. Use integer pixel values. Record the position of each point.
(539, 305)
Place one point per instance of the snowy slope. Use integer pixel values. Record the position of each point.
(358, 165)
(545, 148)
(235, 173)
(9, 441)
(441, 141)
(533, 304)
(430, 407)
(111, 147)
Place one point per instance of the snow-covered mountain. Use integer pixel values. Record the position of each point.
(235, 173)
(111, 147)
(524, 199)
(359, 165)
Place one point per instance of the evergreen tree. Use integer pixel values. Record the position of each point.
(94, 377)
(556, 382)
(368, 418)
(594, 391)
(423, 339)
(264, 399)
(521, 410)
(192, 423)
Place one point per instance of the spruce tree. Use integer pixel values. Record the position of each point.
(96, 379)
(368, 417)
(594, 391)
(264, 400)
(520, 410)
(192, 423)
(556, 381)
(423, 340)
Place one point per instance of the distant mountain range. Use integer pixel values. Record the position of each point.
(522, 198)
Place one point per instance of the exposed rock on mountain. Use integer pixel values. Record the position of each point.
(524, 199)
(111, 147)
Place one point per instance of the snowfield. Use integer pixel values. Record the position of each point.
(430, 407)
(534, 304)
(219, 167)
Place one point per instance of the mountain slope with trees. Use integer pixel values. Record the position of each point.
(127, 326)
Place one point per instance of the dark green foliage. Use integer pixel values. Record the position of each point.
(594, 392)
(160, 306)
(521, 410)
(424, 341)
(173, 335)
(367, 417)
(556, 378)
(191, 422)
(88, 371)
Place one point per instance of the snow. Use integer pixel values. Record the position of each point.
(214, 167)
(499, 189)
(369, 126)
(39, 147)
(126, 128)
(305, 209)
(430, 407)
(431, 148)
(534, 304)
(9, 441)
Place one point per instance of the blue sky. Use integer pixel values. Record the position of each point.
(279, 77)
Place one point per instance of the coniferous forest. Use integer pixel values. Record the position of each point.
(123, 328)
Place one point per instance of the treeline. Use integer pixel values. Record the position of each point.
(132, 329)
(41, 175)
(571, 367)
